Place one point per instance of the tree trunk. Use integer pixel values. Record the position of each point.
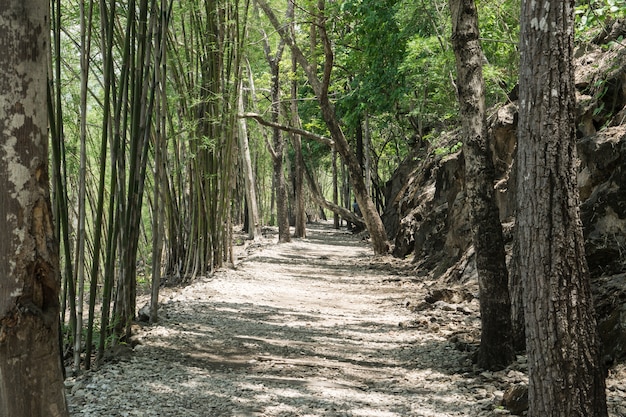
(278, 142)
(85, 51)
(282, 212)
(31, 382)
(300, 226)
(160, 152)
(367, 153)
(336, 219)
(496, 349)
(565, 376)
(254, 230)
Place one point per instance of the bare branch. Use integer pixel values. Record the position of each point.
(305, 133)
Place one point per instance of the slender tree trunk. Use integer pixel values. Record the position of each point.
(85, 42)
(59, 183)
(254, 230)
(300, 227)
(336, 218)
(160, 152)
(496, 348)
(278, 142)
(31, 382)
(367, 154)
(358, 136)
(282, 212)
(565, 375)
(141, 103)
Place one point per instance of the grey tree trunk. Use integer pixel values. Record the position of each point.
(278, 142)
(31, 382)
(282, 211)
(254, 231)
(496, 348)
(336, 219)
(565, 377)
(299, 206)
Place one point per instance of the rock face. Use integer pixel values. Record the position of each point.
(515, 399)
(602, 184)
(427, 215)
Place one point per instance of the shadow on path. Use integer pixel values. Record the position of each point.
(300, 329)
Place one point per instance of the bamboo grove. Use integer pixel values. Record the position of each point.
(148, 171)
(173, 121)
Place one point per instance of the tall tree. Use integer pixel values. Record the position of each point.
(496, 348)
(299, 206)
(277, 147)
(31, 383)
(321, 87)
(254, 221)
(565, 377)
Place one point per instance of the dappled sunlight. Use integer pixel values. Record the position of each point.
(280, 336)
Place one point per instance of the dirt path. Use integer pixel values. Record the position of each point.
(317, 327)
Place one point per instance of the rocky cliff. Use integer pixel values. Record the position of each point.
(427, 216)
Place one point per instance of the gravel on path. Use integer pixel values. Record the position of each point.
(316, 327)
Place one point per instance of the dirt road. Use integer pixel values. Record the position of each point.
(316, 327)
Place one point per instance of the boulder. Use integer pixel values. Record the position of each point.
(515, 399)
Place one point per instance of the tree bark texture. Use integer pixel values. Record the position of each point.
(565, 377)
(31, 382)
(496, 349)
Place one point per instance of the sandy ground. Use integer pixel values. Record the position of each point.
(316, 327)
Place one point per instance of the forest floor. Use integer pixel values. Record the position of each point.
(316, 327)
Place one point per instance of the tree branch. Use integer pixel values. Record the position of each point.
(305, 133)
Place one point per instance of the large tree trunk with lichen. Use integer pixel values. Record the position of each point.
(31, 382)
(496, 349)
(565, 376)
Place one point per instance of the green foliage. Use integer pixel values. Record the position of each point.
(428, 65)
(370, 50)
(388, 144)
(499, 33)
(446, 150)
(592, 15)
